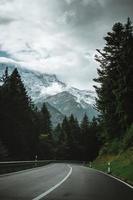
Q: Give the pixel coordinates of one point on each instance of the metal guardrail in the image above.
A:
(13, 166)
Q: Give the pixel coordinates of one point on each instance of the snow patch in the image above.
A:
(54, 89)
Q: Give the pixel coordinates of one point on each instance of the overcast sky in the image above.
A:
(59, 36)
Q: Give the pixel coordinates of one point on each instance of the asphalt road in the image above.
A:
(62, 182)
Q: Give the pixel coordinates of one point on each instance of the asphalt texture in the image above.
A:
(68, 182)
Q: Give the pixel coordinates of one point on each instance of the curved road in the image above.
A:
(62, 182)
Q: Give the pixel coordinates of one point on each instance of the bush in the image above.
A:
(112, 147)
(115, 146)
(128, 139)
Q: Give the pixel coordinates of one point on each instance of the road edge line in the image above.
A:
(114, 178)
(55, 186)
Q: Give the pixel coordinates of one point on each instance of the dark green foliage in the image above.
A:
(85, 131)
(73, 139)
(112, 147)
(46, 143)
(128, 139)
(64, 131)
(57, 132)
(46, 121)
(17, 118)
(62, 148)
(115, 94)
(89, 138)
(46, 149)
(77, 143)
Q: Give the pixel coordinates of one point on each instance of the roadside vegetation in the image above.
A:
(121, 165)
(26, 133)
(115, 101)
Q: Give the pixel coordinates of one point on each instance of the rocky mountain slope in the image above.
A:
(61, 99)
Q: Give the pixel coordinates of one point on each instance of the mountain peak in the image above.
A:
(43, 87)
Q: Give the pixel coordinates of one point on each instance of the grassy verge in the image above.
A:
(121, 165)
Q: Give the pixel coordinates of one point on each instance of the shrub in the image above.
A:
(128, 139)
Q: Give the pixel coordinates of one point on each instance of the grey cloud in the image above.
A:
(93, 19)
(66, 32)
(99, 12)
(84, 13)
(6, 20)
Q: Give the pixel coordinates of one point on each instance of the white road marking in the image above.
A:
(54, 187)
(115, 178)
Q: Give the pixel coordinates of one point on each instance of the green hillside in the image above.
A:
(121, 165)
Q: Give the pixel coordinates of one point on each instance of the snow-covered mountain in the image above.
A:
(60, 97)
(68, 103)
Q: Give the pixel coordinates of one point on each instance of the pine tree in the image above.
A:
(57, 132)
(17, 118)
(5, 75)
(73, 139)
(64, 131)
(84, 127)
(124, 83)
(115, 94)
(47, 126)
(84, 137)
(90, 139)
(46, 144)
(62, 148)
(95, 139)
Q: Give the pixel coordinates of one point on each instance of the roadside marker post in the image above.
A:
(35, 160)
(109, 167)
(35, 157)
(90, 164)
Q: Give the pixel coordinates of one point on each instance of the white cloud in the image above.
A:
(55, 88)
(39, 37)
(54, 36)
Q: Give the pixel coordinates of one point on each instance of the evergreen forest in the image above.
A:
(26, 131)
